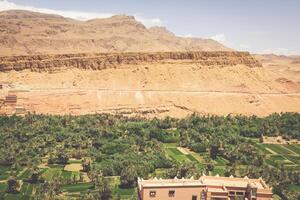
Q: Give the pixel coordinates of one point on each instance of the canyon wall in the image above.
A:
(113, 60)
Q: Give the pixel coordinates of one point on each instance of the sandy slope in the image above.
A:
(287, 66)
(175, 89)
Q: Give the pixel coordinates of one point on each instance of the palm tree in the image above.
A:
(13, 185)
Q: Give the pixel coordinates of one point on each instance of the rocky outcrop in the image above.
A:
(113, 60)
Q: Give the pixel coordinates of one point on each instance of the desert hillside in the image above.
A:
(287, 66)
(24, 32)
(149, 84)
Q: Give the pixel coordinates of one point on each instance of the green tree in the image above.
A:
(13, 185)
(214, 150)
(86, 165)
(104, 190)
(128, 176)
(88, 196)
(35, 177)
(62, 158)
(118, 197)
(51, 188)
(209, 167)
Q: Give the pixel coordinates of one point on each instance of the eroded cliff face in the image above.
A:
(113, 60)
(147, 84)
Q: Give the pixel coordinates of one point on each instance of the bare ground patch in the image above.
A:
(74, 167)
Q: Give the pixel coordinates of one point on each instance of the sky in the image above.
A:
(258, 26)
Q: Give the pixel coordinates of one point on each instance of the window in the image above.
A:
(152, 193)
(194, 197)
(231, 193)
(171, 193)
(203, 195)
(239, 193)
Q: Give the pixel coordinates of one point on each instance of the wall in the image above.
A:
(181, 193)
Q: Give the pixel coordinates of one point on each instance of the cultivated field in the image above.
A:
(72, 187)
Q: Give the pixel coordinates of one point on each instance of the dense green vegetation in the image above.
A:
(114, 150)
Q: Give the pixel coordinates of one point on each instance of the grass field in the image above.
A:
(279, 149)
(72, 161)
(72, 190)
(113, 180)
(218, 170)
(79, 187)
(4, 172)
(287, 155)
(50, 173)
(159, 173)
(276, 160)
(2, 187)
(170, 145)
(293, 147)
(191, 158)
(277, 155)
(27, 189)
(14, 196)
(263, 148)
(124, 191)
(295, 159)
(295, 188)
(176, 155)
(24, 175)
(220, 161)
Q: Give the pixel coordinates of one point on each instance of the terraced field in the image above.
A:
(71, 189)
(287, 155)
(293, 147)
(174, 153)
(179, 154)
(277, 154)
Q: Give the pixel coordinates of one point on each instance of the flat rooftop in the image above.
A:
(205, 181)
(170, 182)
(232, 182)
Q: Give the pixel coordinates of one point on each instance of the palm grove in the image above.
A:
(134, 147)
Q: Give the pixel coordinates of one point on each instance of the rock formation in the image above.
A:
(112, 60)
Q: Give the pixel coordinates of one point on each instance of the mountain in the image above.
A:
(25, 33)
(55, 65)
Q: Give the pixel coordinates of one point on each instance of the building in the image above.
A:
(204, 188)
(10, 99)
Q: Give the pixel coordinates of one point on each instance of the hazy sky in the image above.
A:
(263, 26)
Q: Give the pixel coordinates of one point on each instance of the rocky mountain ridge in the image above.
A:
(114, 60)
